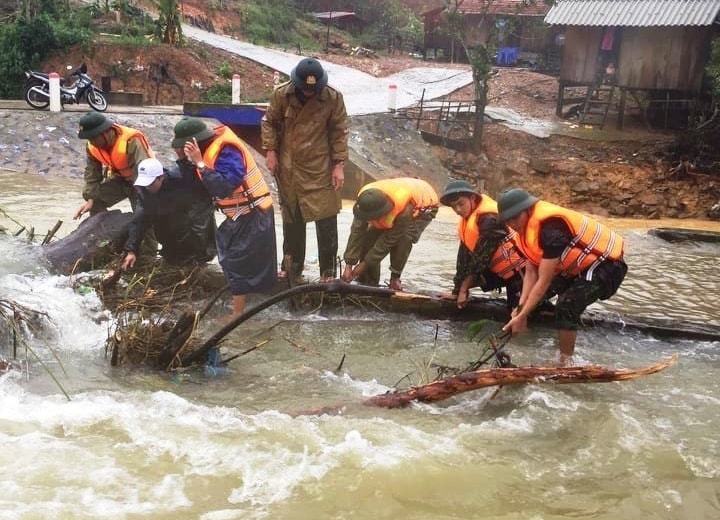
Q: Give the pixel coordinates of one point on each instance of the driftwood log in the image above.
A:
(98, 240)
(94, 243)
(685, 235)
(451, 386)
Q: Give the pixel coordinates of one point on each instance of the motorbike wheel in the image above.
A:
(97, 100)
(35, 100)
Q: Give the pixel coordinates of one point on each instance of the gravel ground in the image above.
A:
(46, 143)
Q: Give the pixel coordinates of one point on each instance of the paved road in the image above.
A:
(19, 104)
(364, 94)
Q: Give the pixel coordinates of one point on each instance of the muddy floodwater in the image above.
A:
(131, 444)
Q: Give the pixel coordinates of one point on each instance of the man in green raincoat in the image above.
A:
(305, 138)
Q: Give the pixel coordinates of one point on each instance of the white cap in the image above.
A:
(148, 171)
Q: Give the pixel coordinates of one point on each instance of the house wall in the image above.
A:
(649, 58)
(580, 54)
(664, 58)
(477, 28)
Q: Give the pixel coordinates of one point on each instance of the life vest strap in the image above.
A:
(233, 212)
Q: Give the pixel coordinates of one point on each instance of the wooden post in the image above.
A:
(560, 98)
(422, 101)
(621, 109)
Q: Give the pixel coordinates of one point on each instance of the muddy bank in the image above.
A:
(628, 177)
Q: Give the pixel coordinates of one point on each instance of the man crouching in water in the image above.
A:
(569, 254)
(487, 257)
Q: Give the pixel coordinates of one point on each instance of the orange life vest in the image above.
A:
(253, 192)
(403, 192)
(592, 242)
(506, 260)
(117, 158)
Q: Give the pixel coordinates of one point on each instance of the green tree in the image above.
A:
(36, 29)
(479, 55)
(713, 68)
(169, 22)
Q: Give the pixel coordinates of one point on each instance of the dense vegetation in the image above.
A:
(35, 29)
(713, 69)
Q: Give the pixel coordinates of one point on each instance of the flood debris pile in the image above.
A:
(155, 317)
(17, 322)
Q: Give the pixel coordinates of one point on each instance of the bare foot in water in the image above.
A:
(226, 319)
(562, 360)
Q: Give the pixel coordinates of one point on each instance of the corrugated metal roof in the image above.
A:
(633, 13)
(507, 7)
(332, 15)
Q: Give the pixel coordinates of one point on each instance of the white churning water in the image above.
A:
(131, 444)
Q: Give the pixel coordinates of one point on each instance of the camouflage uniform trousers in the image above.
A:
(576, 294)
(115, 190)
(400, 252)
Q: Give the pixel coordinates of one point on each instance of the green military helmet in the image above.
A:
(372, 204)
(93, 124)
(189, 128)
(513, 202)
(455, 188)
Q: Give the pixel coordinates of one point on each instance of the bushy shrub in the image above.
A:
(713, 68)
(225, 71)
(23, 45)
(218, 93)
(271, 21)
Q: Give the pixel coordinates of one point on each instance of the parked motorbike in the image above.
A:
(37, 90)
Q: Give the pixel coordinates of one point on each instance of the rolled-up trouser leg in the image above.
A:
(294, 240)
(400, 253)
(574, 300)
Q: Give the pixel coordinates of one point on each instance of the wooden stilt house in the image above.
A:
(651, 53)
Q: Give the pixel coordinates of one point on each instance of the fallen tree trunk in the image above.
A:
(173, 354)
(98, 239)
(438, 308)
(94, 244)
(451, 386)
(685, 235)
